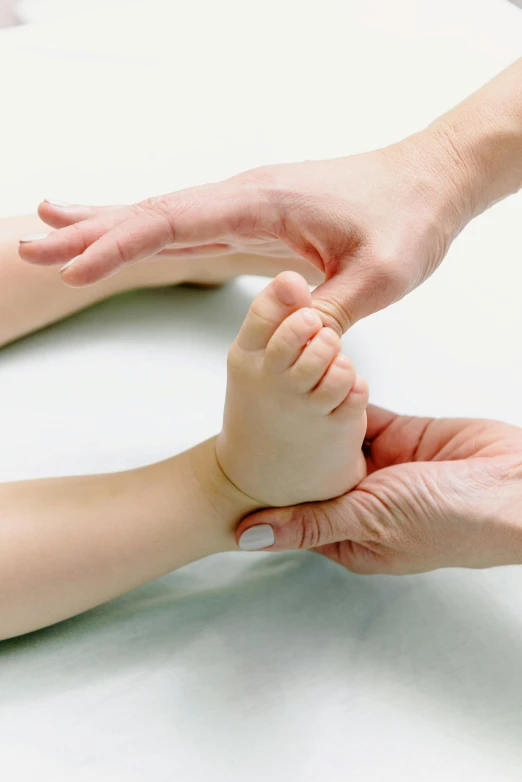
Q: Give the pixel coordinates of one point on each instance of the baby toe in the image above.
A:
(287, 293)
(315, 359)
(335, 385)
(290, 339)
(356, 401)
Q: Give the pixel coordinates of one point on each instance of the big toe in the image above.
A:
(287, 293)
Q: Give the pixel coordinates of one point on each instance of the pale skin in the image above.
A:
(69, 544)
(438, 492)
(33, 297)
(377, 225)
(7, 14)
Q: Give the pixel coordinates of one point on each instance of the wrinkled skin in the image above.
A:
(376, 225)
(439, 493)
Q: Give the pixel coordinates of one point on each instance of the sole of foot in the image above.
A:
(295, 412)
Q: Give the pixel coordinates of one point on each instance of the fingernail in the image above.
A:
(69, 263)
(56, 203)
(309, 316)
(32, 238)
(258, 537)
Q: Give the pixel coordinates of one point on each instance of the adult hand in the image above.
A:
(375, 224)
(439, 493)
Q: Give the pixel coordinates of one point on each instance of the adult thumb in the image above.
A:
(304, 526)
(355, 291)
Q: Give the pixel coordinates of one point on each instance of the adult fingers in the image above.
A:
(70, 241)
(100, 246)
(60, 215)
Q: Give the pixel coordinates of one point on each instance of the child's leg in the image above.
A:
(32, 297)
(69, 544)
(293, 428)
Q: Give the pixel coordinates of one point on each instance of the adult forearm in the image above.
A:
(482, 138)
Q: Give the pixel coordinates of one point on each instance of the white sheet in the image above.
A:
(240, 667)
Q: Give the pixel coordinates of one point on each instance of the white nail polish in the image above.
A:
(69, 263)
(32, 238)
(56, 203)
(256, 538)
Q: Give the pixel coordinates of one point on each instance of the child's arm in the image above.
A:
(69, 544)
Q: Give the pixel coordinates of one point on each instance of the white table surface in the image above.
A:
(254, 667)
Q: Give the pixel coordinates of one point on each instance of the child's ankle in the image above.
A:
(224, 498)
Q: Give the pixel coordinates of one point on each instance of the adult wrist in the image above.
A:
(509, 523)
(476, 157)
(500, 519)
(480, 142)
(443, 182)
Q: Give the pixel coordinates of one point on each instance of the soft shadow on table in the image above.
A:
(213, 315)
(133, 316)
(284, 618)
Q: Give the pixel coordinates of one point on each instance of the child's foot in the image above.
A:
(295, 413)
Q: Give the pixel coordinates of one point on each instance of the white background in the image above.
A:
(256, 667)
